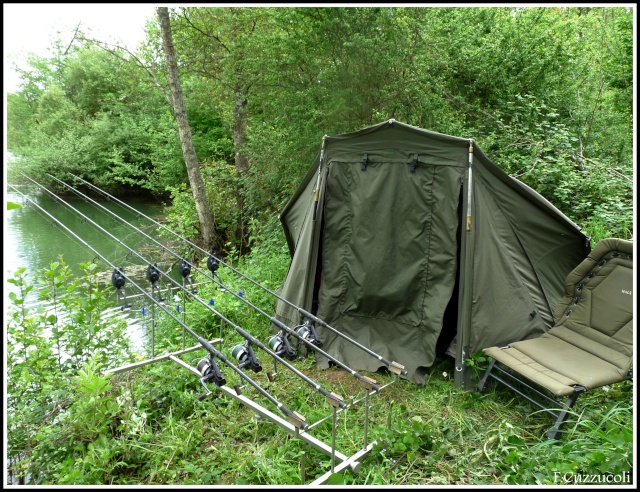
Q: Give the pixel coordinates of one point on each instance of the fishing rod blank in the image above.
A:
(209, 368)
(304, 334)
(391, 365)
(184, 267)
(208, 306)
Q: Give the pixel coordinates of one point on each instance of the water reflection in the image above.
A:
(33, 240)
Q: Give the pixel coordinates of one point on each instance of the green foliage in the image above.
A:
(75, 426)
(477, 364)
(547, 93)
(96, 116)
(398, 441)
(46, 346)
(532, 145)
(181, 213)
(504, 76)
(589, 448)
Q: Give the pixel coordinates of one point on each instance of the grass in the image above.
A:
(438, 434)
(435, 434)
(158, 431)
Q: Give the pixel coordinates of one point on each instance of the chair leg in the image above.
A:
(554, 432)
(485, 378)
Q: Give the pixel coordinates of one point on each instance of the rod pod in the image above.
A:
(294, 418)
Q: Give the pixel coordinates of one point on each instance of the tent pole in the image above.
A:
(312, 260)
(462, 377)
(316, 191)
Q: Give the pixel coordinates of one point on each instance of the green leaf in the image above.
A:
(335, 479)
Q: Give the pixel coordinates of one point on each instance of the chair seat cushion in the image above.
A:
(557, 365)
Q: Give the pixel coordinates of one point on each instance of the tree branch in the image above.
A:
(206, 34)
(610, 170)
(72, 39)
(114, 48)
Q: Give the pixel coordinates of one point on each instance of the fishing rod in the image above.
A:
(304, 333)
(248, 353)
(394, 367)
(208, 368)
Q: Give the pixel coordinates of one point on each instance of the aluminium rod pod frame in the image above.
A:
(353, 462)
(193, 295)
(296, 427)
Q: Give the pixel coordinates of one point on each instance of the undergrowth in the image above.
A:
(72, 424)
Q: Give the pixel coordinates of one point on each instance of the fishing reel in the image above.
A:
(118, 280)
(246, 357)
(279, 344)
(210, 372)
(307, 332)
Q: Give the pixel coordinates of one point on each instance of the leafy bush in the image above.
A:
(46, 346)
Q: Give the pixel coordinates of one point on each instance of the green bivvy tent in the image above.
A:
(408, 241)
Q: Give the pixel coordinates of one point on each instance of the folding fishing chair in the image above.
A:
(590, 345)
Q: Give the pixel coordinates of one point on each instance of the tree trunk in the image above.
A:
(241, 161)
(205, 217)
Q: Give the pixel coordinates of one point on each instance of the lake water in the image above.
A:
(34, 240)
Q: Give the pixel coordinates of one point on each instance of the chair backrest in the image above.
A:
(598, 300)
